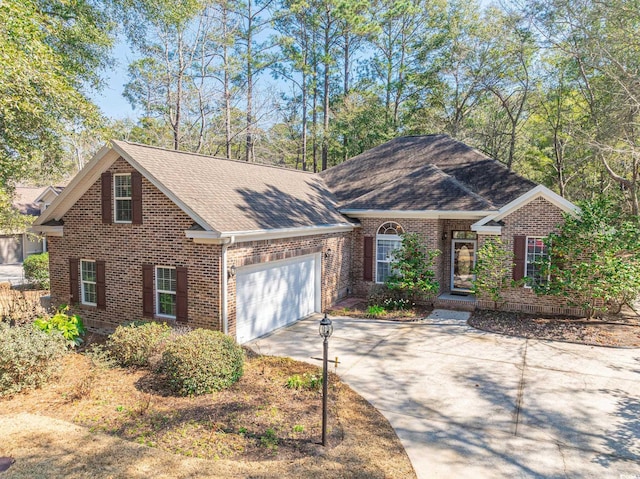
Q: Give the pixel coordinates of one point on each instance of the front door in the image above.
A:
(463, 259)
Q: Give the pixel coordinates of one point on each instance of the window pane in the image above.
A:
(383, 272)
(386, 248)
(89, 271)
(90, 294)
(123, 186)
(536, 253)
(123, 210)
(166, 280)
(167, 304)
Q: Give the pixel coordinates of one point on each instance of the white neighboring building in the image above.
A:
(29, 200)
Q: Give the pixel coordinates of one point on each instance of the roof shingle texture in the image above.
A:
(432, 172)
(237, 196)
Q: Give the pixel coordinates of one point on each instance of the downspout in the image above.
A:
(225, 282)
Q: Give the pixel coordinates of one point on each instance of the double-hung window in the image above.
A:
(166, 291)
(122, 198)
(537, 254)
(388, 240)
(88, 282)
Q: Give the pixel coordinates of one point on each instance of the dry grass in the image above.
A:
(20, 305)
(99, 423)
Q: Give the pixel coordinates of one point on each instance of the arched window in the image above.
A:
(387, 241)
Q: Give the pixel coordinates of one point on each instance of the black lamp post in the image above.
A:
(326, 329)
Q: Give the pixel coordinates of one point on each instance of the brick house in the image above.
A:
(144, 232)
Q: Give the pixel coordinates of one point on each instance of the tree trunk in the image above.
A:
(249, 65)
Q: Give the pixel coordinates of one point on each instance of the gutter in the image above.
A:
(224, 284)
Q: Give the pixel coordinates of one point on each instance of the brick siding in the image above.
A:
(160, 240)
(536, 218)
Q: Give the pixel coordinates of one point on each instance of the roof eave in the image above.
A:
(211, 237)
(487, 230)
(420, 214)
(49, 230)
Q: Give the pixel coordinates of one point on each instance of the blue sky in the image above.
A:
(110, 99)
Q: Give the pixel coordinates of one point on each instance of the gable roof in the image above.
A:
(26, 198)
(220, 195)
(428, 173)
(492, 224)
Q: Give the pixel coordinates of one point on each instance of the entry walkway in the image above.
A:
(466, 403)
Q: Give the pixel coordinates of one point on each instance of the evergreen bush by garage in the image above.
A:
(133, 344)
(201, 362)
(36, 270)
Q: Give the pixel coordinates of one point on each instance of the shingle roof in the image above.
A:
(238, 196)
(432, 172)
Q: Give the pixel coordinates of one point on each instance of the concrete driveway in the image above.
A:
(468, 404)
(12, 273)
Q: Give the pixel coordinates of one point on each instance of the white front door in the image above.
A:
(274, 294)
(463, 259)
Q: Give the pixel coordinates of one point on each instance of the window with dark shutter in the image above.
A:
(74, 284)
(101, 288)
(182, 303)
(147, 290)
(136, 197)
(368, 258)
(106, 197)
(519, 256)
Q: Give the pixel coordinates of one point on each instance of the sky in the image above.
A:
(110, 99)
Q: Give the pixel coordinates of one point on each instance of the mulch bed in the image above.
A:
(259, 420)
(357, 308)
(621, 330)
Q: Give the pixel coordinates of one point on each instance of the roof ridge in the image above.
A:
(220, 158)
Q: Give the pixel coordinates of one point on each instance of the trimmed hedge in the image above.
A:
(28, 357)
(202, 361)
(133, 344)
(36, 270)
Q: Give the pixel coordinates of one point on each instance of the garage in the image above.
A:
(274, 294)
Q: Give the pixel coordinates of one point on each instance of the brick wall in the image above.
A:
(160, 240)
(430, 229)
(537, 218)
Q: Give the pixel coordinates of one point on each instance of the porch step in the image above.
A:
(455, 302)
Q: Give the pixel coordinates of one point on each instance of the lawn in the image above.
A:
(111, 422)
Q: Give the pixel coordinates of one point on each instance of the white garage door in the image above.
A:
(274, 294)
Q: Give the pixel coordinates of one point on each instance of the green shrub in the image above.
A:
(397, 304)
(374, 311)
(36, 270)
(28, 357)
(133, 344)
(201, 362)
(70, 326)
(413, 269)
(307, 381)
(379, 293)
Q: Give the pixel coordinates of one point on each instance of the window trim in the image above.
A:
(82, 283)
(528, 284)
(386, 226)
(158, 291)
(120, 198)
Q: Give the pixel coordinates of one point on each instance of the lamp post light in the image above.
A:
(326, 329)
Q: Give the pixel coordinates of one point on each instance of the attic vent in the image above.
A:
(391, 228)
